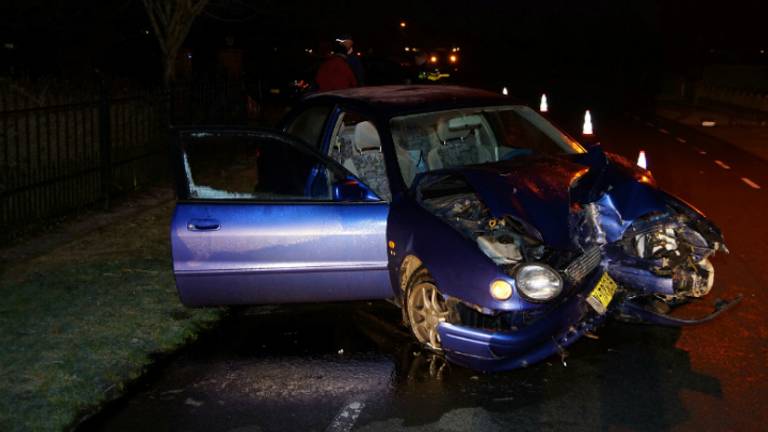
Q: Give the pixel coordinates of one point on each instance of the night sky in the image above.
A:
(539, 43)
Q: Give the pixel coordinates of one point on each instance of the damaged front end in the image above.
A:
(658, 251)
(660, 260)
(547, 310)
(598, 242)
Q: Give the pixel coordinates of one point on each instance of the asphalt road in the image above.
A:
(350, 366)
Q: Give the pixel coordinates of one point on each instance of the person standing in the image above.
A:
(354, 62)
(335, 73)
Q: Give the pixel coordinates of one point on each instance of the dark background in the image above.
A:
(617, 52)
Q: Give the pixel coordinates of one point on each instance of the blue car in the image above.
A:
(502, 239)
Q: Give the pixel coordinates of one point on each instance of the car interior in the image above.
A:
(357, 146)
(443, 140)
(242, 168)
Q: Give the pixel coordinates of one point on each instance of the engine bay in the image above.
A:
(659, 257)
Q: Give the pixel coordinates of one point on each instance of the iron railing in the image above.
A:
(59, 157)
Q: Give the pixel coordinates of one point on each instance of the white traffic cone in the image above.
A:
(587, 129)
(641, 160)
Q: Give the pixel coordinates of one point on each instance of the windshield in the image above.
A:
(468, 136)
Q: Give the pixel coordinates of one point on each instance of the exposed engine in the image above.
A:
(674, 251)
(660, 255)
(504, 240)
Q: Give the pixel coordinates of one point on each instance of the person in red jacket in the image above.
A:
(335, 73)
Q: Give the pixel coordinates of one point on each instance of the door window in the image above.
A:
(356, 144)
(243, 166)
(308, 126)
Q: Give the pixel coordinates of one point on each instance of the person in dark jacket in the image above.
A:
(335, 73)
(354, 62)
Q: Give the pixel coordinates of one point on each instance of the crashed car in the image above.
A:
(503, 239)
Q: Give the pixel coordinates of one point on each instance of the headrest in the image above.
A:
(457, 127)
(414, 137)
(366, 137)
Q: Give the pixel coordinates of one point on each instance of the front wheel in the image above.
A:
(426, 309)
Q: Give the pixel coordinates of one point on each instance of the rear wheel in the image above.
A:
(426, 309)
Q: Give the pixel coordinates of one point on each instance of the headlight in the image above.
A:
(538, 282)
(501, 290)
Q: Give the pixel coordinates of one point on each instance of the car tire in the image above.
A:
(425, 308)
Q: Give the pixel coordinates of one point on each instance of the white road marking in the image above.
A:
(750, 183)
(722, 164)
(346, 418)
(682, 140)
(664, 131)
(649, 124)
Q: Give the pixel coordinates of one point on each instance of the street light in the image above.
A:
(402, 24)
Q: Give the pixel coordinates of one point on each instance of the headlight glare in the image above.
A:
(538, 282)
(501, 290)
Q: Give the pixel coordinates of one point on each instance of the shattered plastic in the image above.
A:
(659, 257)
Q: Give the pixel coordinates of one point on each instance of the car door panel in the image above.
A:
(256, 251)
(274, 253)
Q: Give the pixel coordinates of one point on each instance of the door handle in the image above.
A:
(203, 225)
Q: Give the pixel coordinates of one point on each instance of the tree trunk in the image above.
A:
(171, 20)
(169, 69)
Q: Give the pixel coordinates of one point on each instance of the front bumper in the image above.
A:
(500, 350)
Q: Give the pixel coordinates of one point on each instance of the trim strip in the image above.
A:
(372, 266)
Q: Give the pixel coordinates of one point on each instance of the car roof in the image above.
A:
(395, 99)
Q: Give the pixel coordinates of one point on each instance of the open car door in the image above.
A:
(262, 218)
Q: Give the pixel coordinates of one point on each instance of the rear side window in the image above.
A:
(221, 166)
(308, 126)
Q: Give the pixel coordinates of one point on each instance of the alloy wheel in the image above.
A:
(426, 310)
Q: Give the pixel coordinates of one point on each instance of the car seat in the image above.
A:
(460, 143)
(412, 145)
(366, 160)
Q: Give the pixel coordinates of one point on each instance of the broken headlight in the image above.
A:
(538, 282)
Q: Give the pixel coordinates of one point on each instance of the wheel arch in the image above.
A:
(408, 267)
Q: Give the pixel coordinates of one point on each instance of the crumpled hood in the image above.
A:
(540, 190)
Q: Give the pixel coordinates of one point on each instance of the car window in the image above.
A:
(469, 136)
(308, 126)
(242, 167)
(356, 144)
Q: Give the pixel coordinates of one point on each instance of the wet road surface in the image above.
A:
(352, 366)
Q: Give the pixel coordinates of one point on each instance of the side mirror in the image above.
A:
(350, 189)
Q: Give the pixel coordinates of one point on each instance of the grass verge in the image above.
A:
(81, 321)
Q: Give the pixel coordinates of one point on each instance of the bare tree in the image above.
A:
(171, 20)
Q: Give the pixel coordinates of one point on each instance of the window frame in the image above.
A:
(182, 184)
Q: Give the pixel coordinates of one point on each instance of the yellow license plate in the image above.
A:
(602, 294)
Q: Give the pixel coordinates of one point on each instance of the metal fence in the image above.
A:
(61, 156)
